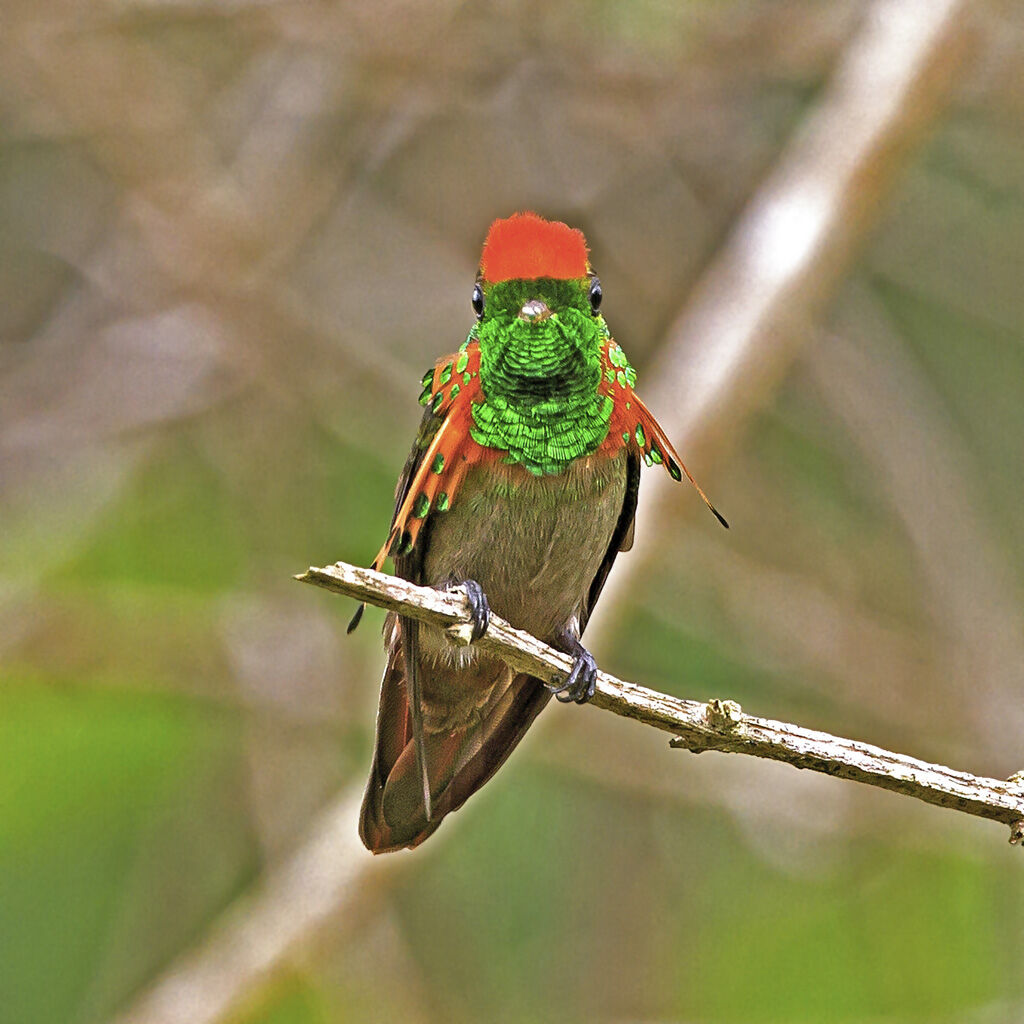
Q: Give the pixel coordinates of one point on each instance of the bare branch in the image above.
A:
(717, 725)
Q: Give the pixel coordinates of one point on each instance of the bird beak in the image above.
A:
(534, 311)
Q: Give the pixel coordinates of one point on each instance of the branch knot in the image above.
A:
(723, 715)
(468, 629)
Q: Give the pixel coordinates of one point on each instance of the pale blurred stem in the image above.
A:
(756, 304)
(716, 725)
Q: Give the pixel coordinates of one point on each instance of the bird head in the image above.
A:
(538, 305)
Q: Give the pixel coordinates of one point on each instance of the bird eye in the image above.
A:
(478, 300)
(595, 294)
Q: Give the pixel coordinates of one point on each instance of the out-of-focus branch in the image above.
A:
(716, 725)
(266, 928)
(755, 306)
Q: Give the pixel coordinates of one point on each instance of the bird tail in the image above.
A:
(458, 761)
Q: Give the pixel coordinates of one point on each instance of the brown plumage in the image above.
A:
(540, 547)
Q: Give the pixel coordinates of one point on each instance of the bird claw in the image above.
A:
(582, 680)
(479, 609)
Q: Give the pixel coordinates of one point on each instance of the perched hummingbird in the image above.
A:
(521, 487)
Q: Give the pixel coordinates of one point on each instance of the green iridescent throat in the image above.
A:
(540, 380)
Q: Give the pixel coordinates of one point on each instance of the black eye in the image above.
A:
(478, 300)
(595, 294)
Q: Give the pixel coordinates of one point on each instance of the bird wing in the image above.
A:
(399, 718)
(622, 537)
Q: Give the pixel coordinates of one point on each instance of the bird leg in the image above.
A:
(582, 679)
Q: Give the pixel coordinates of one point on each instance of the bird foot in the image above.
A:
(463, 633)
(582, 680)
(479, 609)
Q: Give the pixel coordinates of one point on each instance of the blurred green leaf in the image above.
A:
(85, 777)
(175, 525)
(290, 1000)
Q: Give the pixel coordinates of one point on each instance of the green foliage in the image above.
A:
(88, 780)
(292, 1000)
(908, 936)
(175, 526)
(976, 366)
(619, 902)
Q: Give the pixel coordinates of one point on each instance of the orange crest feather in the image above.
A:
(526, 245)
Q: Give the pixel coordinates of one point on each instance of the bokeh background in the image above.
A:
(233, 234)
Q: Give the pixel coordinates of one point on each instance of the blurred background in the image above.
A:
(233, 234)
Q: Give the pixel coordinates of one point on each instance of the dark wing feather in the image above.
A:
(409, 567)
(622, 537)
(399, 718)
(412, 562)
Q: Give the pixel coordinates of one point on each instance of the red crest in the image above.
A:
(526, 245)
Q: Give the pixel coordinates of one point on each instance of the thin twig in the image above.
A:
(716, 725)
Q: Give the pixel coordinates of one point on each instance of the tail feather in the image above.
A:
(458, 761)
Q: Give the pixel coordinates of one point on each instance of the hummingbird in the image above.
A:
(521, 488)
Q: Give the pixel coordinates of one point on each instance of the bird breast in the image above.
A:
(534, 543)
